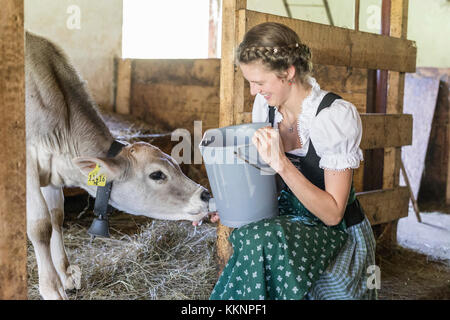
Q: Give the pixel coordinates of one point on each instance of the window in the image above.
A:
(169, 29)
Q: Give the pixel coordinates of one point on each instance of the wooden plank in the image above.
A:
(123, 87)
(399, 18)
(358, 178)
(383, 206)
(165, 102)
(13, 243)
(379, 130)
(200, 72)
(349, 83)
(346, 47)
(175, 92)
(386, 130)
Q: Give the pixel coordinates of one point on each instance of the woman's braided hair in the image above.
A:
(278, 47)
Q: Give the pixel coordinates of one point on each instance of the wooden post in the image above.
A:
(396, 84)
(396, 80)
(123, 90)
(411, 193)
(214, 20)
(13, 245)
(231, 90)
(357, 9)
(358, 175)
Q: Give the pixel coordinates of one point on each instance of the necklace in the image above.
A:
(290, 127)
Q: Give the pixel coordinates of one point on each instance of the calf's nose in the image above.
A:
(205, 196)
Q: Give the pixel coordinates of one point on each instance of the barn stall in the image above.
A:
(150, 259)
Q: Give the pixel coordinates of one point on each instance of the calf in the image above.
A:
(66, 139)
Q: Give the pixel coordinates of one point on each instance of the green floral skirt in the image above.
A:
(279, 258)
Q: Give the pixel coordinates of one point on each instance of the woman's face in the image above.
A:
(265, 82)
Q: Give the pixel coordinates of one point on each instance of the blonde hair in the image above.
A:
(277, 47)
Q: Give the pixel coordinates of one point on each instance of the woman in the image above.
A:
(321, 244)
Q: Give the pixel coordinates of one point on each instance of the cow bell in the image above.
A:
(100, 227)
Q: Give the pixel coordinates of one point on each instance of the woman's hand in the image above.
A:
(269, 145)
(213, 217)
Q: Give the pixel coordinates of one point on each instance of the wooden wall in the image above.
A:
(13, 250)
(176, 93)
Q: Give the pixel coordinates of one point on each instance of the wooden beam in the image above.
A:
(123, 86)
(228, 69)
(386, 130)
(231, 91)
(288, 10)
(13, 243)
(328, 11)
(200, 72)
(357, 8)
(383, 206)
(396, 80)
(349, 83)
(346, 47)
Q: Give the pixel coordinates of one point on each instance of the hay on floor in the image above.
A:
(164, 260)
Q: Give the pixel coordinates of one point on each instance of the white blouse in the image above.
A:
(335, 132)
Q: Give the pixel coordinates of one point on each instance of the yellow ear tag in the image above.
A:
(94, 179)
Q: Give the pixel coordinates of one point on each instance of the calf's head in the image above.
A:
(148, 182)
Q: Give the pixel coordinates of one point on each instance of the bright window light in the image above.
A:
(169, 29)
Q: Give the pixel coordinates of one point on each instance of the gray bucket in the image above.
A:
(243, 186)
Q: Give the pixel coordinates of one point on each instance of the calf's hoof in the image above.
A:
(54, 291)
(73, 278)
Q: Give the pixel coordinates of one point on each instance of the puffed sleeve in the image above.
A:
(260, 111)
(336, 134)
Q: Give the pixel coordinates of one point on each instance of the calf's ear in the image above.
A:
(110, 167)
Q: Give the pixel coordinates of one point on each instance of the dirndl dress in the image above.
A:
(296, 256)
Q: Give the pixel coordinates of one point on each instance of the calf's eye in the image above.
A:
(157, 175)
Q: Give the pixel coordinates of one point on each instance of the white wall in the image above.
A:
(90, 33)
(429, 26)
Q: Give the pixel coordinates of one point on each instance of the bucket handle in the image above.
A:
(238, 155)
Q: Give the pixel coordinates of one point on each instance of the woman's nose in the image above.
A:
(254, 89)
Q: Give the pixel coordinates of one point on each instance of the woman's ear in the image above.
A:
(290, 73)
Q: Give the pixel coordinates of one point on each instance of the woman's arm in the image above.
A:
(329, 205)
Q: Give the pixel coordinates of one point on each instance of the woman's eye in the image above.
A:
(157, 175)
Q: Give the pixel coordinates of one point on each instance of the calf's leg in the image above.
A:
(70, 275)
(39, 230)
